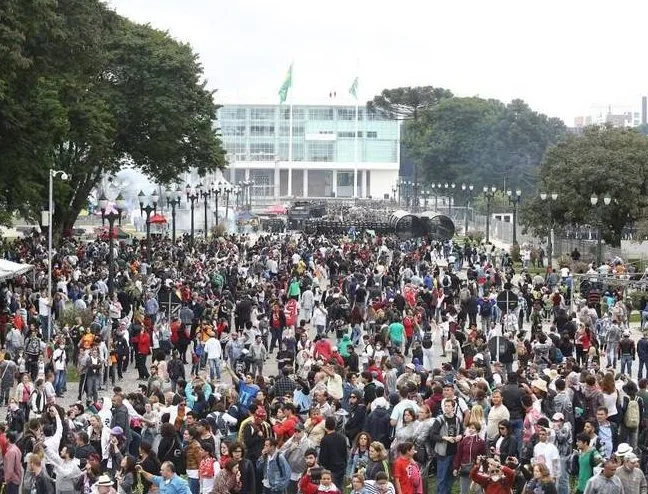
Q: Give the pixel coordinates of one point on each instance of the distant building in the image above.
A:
(622, 119)
(325, 153)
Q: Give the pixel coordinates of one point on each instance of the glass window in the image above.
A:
(298, 114)
(235, 150)
(233, 130)
(348, 134)
(298, 130)
(262, 130)
(262, 151)
(262, 114)
(372, 134)
(375, 115)
(298, 151)
(232, 113)
(346, 113)
(321, 151)
(320, 114)
(345, 179)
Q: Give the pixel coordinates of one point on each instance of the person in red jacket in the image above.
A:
(142, 344)
(285, 427)
(326, 485)
(497, 479)
(322, 348)
(469, 448)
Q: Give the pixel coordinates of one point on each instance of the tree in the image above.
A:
(404, 103)
(108, 93)
(603, 161)
(483, 142)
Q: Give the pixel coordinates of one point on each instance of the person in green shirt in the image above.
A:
(396, 333)
(294, 290)
(588, 458)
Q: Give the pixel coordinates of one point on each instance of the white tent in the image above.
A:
(10, 269)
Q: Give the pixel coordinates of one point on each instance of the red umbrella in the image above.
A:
(157, 219)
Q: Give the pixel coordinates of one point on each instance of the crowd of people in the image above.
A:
(293, 363)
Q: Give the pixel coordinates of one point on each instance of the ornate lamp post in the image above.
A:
(228, 191)
(514, 198)
(216, 190)
(173, 201)
(151, 207)
(192, 197)
(553, 197)
(237, 195)
(50, 219)
(599, 246)
(205, 195)
(449, 190)
(111, 217)
(468, 188)
(489, 194)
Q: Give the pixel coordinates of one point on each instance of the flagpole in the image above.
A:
(355, 154)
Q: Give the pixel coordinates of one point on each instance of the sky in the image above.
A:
(564, 58)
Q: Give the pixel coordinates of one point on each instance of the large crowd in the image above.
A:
(292, 363)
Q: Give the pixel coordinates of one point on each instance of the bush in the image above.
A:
(70, 314)
(579, 267)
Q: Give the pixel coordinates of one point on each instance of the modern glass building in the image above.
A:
(326, 158)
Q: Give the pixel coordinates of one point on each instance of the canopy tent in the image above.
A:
(277, 209)
(157, 219)
(10, 269)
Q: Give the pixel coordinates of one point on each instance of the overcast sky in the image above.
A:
(564, 58)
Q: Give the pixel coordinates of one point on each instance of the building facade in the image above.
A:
(326, 159)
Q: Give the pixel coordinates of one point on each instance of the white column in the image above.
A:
(277, 181)
(305, 193)
(247, 174)
(289, 181)
(334, 184)
(364, 184)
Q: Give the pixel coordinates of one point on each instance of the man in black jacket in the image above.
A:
(512, 398)
(333, 452)
(356, 417)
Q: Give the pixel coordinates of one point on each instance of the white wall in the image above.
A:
(381, 182)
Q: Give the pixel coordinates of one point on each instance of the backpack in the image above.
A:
(557, 356)
(218, 424)
(631, 416)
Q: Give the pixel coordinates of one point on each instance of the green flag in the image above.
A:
(283, 90)
(353, 90)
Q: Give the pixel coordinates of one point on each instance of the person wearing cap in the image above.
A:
(626, 353)
(563, 441)
(631, 476)
(294, 450)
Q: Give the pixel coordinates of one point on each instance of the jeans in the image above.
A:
(626, 361)
(642, 363)
(60, 381)
(464, 484)
(275, 338)
(12, 488)
(194, 485)
(140, 360)
(444, 476)
(644, 318)
(214, 368)
(257, 368)
(5, 392)
(92, 387)
(321, 329)
(563, 480)
(516, 429)
(611, 353)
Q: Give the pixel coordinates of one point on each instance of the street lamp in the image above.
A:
(449, 189)
(112, 216)
(237, 195)
(489, 193)
(415, 202)
(50, 216)
(173, 201)
(394, 193)
(599, 246)
(205, 194)
(151, 207)
(192, 197)
(470, 188)
(228, 191)
(550, 242)
(515, 200)
(436, 196)
(216, 190)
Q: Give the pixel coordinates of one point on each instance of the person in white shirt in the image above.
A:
(214, 353)
(396, 417)
(547, 453)
(59, 358)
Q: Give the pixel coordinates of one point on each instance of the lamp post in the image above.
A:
(399, 185)
(426, 195)
(151, 207)
(489, 193)
(415, 201)
(449, 192)
(111, 217)
(394, 193)
(216, 190)
(228, 191)
(553, 197)
(468, 188)
(599, 246)
(173, 201)
(192, 197)
(514, 198)
(50, 216)
(237, 195)
(205, 194)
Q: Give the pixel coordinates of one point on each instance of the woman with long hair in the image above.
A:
(407, 433)
(99, 436)
(469, 448)
(541, 482)
(359, 454)
(228, 480)
(377, 461)
(610, 397)
(149, 462)
(477, 419)
(126, 475)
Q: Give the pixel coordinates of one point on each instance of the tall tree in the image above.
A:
(484, 142)
(603, 161)
(109, 93)
(405, 103)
